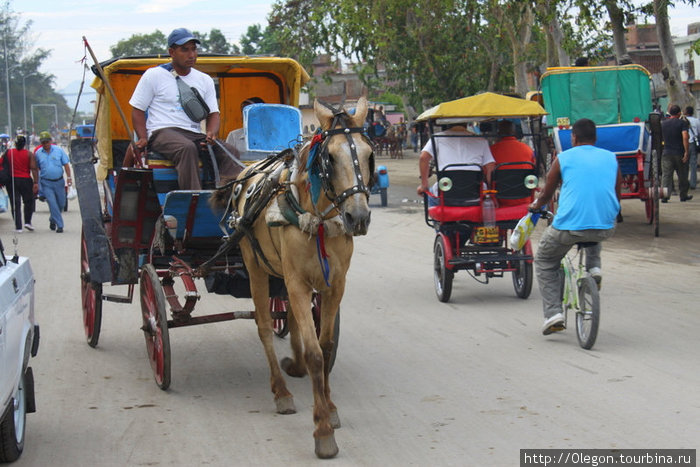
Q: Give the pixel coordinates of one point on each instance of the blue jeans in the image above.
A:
(693, 164)
(55, 193)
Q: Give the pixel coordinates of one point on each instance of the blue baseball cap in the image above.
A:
(181, 36)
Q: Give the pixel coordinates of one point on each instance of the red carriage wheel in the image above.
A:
(278, 307)
(91, 294)
(155, 325)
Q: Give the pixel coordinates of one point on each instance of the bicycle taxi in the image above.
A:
(618, 99)
(473, 220)
(138, 228)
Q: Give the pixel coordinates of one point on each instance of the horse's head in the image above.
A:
(345, 164)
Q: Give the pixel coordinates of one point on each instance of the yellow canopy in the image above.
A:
(487, 105)
(276, 80)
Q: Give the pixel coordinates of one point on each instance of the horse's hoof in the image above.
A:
(326, 447)
(334, 419)
(285, 405)
(291, 368)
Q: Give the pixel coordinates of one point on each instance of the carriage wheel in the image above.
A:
(522, 276)
(279, 325)
(91, 294)
(655, 190)
(155, 325)
(442, 276)
(588, 316)
(316, 313)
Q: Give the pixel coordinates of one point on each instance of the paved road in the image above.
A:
(417, 382)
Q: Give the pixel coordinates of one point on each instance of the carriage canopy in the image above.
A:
(605, 94)
(484, 106)
(273, 79)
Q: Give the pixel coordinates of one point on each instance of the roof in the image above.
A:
(484, 106)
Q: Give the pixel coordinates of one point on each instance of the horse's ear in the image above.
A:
(358, 119)
(323, 114)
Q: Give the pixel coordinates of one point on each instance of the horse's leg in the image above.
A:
(300, 298)
(294, 366)
(259, 287)
(329, 310)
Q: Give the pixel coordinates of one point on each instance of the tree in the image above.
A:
(141, 44)
(258, 41)
(677, 93)
(25, 80)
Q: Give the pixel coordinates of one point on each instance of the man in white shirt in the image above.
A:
(167, 129)
(693, 145)
(455, 146)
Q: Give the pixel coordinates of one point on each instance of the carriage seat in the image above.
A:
(164, 174)
(193, 213)
(267, 129)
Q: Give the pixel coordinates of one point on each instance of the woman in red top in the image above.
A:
(23, 184)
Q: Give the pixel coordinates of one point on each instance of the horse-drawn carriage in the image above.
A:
(618, 100)
(472, 220)
(281, 233)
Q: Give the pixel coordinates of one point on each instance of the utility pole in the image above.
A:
(7, 82)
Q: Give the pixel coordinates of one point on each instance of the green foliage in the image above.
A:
(141, 44)
(258, 41)
(25, 79)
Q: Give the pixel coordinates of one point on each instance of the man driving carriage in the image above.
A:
(167, 128)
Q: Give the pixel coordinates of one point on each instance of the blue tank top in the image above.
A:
(587, 199)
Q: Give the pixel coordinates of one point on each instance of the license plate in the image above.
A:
(486, 235)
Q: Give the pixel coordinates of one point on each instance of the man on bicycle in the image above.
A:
(589, 202)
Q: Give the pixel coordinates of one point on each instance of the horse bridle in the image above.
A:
(325, 165)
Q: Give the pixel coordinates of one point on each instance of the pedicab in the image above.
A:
(139, 229)
(473, 220)
(618, 99)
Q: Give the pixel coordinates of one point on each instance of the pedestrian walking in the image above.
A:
(21, 186)
(675, 154)
(52, 161)
(693, 145)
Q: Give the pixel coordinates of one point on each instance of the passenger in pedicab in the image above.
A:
(455, 145)
(168, 128)
(509, 149)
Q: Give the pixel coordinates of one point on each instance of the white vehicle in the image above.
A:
(19, 339)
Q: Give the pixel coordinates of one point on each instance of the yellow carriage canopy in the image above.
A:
(484, 106)
(275, 80)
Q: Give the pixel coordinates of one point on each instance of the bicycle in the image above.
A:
(580, 294)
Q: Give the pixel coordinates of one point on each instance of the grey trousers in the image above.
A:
(553, 246)
(670, 164)
(182, 147)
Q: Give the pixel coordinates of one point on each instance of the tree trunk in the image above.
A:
(617, 20)
(558, 38)
(520, 34)
(677, 93)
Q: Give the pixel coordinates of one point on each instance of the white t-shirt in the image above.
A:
(694, 129)
(157, 94)
(460, 149)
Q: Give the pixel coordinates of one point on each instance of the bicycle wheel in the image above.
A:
(588, 314)
(442, 276)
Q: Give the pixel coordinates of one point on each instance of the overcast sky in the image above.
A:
(59, 25)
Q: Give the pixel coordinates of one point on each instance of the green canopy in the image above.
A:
(604, 94)
(487, 105)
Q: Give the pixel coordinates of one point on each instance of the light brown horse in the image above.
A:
(286, 242)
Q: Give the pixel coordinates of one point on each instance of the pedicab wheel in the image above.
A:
(155, 325)
(316, 313)
(442, 276)
(91, 294)
(279, 325)
(522, 276)
(588, 316)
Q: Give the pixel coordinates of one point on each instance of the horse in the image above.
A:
(304, 235)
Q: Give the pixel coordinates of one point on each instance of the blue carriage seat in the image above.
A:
(193, 213)
(271, 128)
(626, 140)
(164, 174)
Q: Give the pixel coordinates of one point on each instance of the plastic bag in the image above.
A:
(522, 231)
(72, 194)
(4, 201)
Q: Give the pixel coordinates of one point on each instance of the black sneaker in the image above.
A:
(52, 225)
(59, 230)
(687, 198)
